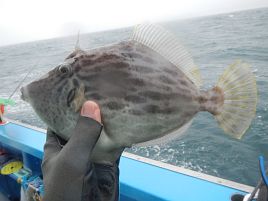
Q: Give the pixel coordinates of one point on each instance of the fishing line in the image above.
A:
(31, 69)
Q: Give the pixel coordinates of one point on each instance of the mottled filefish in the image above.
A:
(148, 89)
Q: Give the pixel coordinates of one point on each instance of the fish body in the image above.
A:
(139, 92)
(144, 93)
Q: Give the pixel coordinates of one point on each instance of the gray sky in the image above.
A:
(29, 20)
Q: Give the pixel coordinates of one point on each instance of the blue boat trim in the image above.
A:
(191, 173)
(140, 178)
(263, 172)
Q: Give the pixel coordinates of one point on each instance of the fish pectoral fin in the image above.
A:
(79, 99)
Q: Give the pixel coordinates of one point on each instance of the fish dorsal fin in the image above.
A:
(167, 45)
(167, 138)
(77, 44)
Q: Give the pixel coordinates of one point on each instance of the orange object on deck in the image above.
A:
(2, 110)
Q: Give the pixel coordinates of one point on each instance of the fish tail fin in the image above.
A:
(239, 88)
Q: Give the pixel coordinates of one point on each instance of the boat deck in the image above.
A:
(140, 178)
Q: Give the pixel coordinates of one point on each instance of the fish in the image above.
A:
(148, 89)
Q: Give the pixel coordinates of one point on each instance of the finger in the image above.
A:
(52, 145)
(88, 127)
(83, 140)
(108, 180)
(92, 110)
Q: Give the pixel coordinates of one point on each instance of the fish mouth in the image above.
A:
(24, 93)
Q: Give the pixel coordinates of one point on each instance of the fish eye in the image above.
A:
(64, 69)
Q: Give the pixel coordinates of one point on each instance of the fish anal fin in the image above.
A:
(167, 138)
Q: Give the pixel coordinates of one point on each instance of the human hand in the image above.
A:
(68, 173)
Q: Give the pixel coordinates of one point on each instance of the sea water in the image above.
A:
(215, 42)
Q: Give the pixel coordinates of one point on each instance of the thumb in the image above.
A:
(86, 132)
(91, 109)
